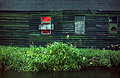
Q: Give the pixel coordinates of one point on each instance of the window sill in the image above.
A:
(80, 34)
(34, 34)
(38, 34)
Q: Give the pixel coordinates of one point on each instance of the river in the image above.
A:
(79, 74)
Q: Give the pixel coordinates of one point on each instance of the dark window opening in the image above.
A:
(113, 29)
(113, 19)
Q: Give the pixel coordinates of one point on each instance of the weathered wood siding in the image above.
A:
(21, 29)
(35, 35)
(14, 29)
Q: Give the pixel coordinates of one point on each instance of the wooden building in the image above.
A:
(84, 23)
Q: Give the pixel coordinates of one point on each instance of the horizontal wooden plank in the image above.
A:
(14, 14)
(102, 18)
(14, 20)
(15, 25)
(21, 29)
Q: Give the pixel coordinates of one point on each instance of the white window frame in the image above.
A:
(48, 27)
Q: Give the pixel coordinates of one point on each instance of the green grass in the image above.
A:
(55, 57)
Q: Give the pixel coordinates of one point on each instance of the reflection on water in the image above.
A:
(80, 74)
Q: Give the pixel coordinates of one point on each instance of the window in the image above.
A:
(113, 28)
(46, 20)
(46, 25)
(79, 25)
(113, 24)
(113, 19)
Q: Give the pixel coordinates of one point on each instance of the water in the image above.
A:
(80, 74)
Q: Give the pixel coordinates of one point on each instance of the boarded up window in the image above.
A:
(79, 25)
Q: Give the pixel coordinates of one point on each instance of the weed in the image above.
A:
(55, 57)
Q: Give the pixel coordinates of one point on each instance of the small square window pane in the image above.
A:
(45, 26)
(79, 18)
(45, 19)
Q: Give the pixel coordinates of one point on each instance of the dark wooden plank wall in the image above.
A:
(35, 35)
(21, 29)
(14, 29)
